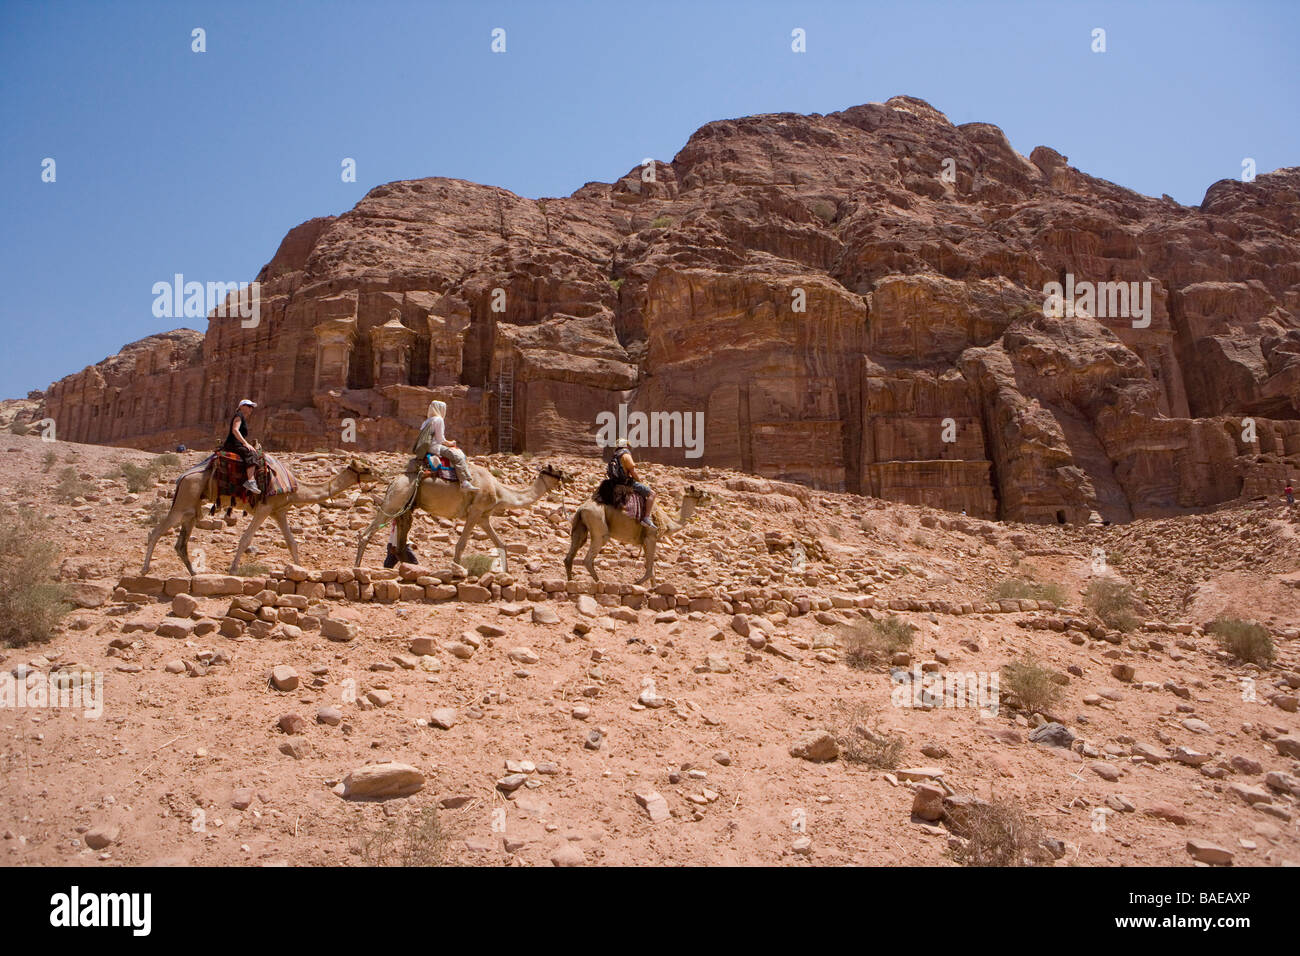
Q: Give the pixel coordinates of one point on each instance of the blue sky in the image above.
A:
(173, 161)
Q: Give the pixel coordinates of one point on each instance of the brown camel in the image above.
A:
(602, 522)
(196, 490)
(445, 499)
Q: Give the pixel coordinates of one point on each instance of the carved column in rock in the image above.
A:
(446, 348)
(334, 341)
(390, 351)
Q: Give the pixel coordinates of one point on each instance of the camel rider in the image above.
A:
(622, 469)
(237, 442)
(434, 441)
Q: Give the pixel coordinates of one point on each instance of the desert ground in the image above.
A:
(725, 716)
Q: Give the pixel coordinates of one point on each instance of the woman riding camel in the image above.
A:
(237, 442)
(433, 441)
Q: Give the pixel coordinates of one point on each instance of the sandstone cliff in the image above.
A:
(854, 301)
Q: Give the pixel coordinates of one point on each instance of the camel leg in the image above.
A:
(247, 538)
(598, 538)
(403, 523)
(501, 547)
(577, 538)
(471, 521)
(648, 546)
(282, 520)
(183, 541)
(366, 536)
(170, 520)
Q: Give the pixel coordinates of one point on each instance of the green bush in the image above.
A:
(661, 222)
(477, 565)
(31, 602)
(1244, 640)
(1113, 602)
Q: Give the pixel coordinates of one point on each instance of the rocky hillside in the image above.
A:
(852, 301)
(770, 700)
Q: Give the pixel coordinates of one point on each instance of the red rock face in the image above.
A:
(853, 301)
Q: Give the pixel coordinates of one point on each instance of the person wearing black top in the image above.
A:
(237, 441)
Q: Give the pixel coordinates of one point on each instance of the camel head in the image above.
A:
(365, 474)
(554, 476)
(698, 496)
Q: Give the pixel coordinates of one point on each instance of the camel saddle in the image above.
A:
(623, 497)
(229, 472)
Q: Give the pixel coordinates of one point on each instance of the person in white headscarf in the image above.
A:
(433, 441)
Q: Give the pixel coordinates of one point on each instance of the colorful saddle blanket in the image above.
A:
(621, 496)
(273, 476)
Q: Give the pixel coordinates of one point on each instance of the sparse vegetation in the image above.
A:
(661, 222)
(154, 512)
(142, 477)
(862, 742)
(1244, 640)
(874, 642)
(1112, 601)
(1035, 687)
(616, 283)
(19, 428)
(137, 477)
(476, 565)
(251, 569)
(998, 833)
(48, 460)
(415, 842)
(31, 602)
(1014, 589)
(824, 210)
(70, 486)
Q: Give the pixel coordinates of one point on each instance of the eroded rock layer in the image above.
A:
(852, 301)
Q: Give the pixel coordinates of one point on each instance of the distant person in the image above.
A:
(180, 448)
(1290, 493)
(237, 442)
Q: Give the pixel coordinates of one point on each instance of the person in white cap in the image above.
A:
(237, 441)
(433, 441)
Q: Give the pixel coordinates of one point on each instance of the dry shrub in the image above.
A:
(477, 565)
(874, 642)
(999, 833)
(31, 602)
(71, 486)
(417, 841)
(863, 742)
(1114, 602)
(1244, 640)
(1036, 687)
(1013, 589)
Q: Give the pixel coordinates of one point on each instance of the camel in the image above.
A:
(602, 522)
(445, 499)
(193, 491)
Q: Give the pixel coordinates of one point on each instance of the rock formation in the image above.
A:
(854, 301)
